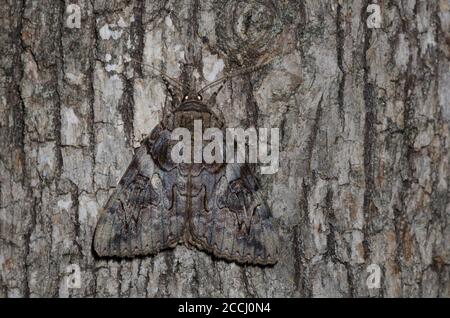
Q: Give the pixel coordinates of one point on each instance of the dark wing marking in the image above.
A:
(231, 220)
(140, 217)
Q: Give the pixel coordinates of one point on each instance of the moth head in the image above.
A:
(196, 97)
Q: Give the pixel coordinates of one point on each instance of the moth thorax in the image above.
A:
(188, 119)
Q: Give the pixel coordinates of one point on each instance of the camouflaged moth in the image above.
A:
(215, 207)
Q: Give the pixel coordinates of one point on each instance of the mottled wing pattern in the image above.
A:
(140, 217)
(230, 219)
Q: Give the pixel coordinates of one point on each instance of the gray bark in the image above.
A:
(364, 117)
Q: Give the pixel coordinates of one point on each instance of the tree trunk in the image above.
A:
(363, 112)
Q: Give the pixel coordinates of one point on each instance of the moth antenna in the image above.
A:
(174, 81)
(234, 74)
(173, 96)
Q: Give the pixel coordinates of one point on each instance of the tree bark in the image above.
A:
(364, 118)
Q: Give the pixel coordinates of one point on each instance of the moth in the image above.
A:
(214, 207)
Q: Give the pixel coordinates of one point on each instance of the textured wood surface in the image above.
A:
(364, 117)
